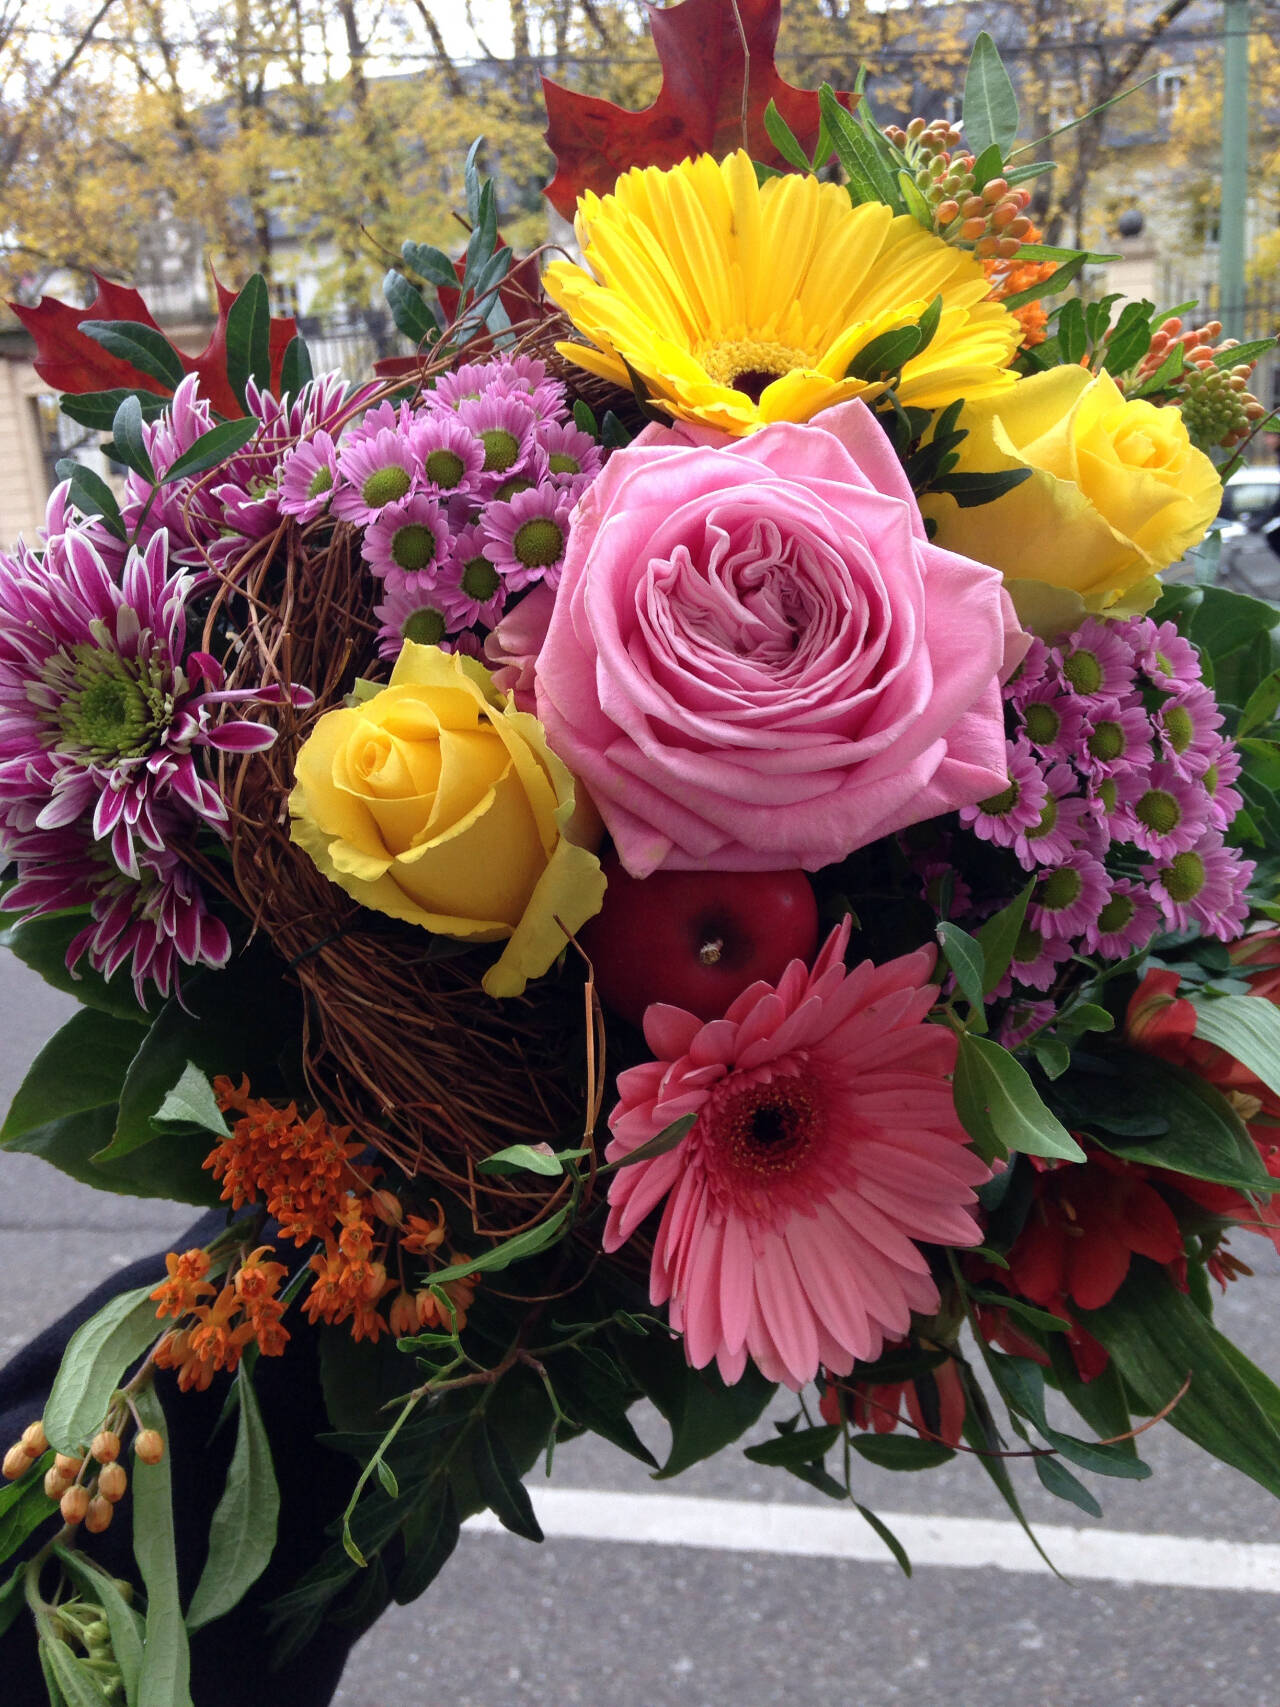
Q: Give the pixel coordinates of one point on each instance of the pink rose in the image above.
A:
(511, 650)
(757, 660)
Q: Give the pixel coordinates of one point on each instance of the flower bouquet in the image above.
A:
(671, 844)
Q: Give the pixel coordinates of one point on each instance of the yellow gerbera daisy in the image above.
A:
(738, 304)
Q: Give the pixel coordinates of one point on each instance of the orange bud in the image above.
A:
(946, 211)
(106, 1446)
(994, 191)
(55, 1483)
(112, 1482)
(68, 1467)
(35, 1439)
(97, 1515)
(973, 229)
(17, 1461)
(74, 1505)
(387, 1207)
(149, 1445)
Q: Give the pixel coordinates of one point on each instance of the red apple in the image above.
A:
(696, 938)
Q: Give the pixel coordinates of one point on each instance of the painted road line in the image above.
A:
(968, 1543)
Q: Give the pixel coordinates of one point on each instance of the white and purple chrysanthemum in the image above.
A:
(409, 539)
(1125, 923)
(1204, 885)
(528, 536)
(103, 707)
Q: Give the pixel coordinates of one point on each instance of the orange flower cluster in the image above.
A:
(216, 1332)
(1008, 278)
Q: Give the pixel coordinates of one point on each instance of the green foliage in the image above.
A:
(164, 1680)
(702, 1413)
(91, 495)
(24, 1506)
(1001, 1109)
(143, 347)
(127, 443)
(990, 109)
(98, 1355)
(42, 945)
(249, 340)
(242, 1532)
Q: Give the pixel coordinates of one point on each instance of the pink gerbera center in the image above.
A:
(762, 1133)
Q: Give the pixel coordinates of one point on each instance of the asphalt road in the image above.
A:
(727, 1623)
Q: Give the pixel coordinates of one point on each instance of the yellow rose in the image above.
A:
(1117, 491)
(437, 802)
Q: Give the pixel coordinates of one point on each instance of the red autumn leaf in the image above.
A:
(520, 294)
(70, 361)
(699, 107)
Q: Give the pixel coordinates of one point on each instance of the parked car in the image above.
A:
(1249, 526)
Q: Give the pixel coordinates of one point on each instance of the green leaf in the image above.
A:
(42, 945)
(900, 1451)
(97, 1356)
(211, 448)
(1158, 1337)
(1000, 1108)
(81, 1067)
(658, 1145)
(885, 354)
(1247, 1029)
(1021, 1309)
(126, 1626)
(191, 1102)
(597, 1398)
(295, 369)
(1021, 1382)
(166, 1662)
(143, 347)
(78, 1685)
(887, 1536)
(804, 1446)
(249, 339)
(869, 178)
(969, 490)
(24, 1506)
(525, 1244)
(13, 1599)
(97, 409)
(1261, 706)
(989, 164)
(1101, 1402)
(1223, 621)
(242, 1533)
(1055, 1476)
(1072, 336)
(964, 955)
(430, 1537)
(1149, 1111)
(998, 937)
(990, 109)
(527, 1158)
(430, 264)
(702, 1413)
(981, 1434)
(500, 1483)
(91, 495)
(784, 139)
(1047, 252)
(1250, 351)
(127, 443)
(411, 314)
(1130, 337)
(1056, 281)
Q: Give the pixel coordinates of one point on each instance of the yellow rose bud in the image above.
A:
(1117, 492)
(437, 802)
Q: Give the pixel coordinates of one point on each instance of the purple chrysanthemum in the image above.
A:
(1126, 922)
(1095, 659)
(409, 538)
(1190, 729)
(103, 707)
(449, 457)
(528, 536)
(1035, 961)
(372, 473)
(1005, 816)
(1204, 885)
(1038, 664)
(1022, 1020)
(470, 586)
(308, 475)
(1117, 737)
(1169, 660)
(1052, 720)
(1067, 821)
(573, 457)
(1224, 800)
(1068, 897)
(504, 428)
(410, 611)
(1165, 816)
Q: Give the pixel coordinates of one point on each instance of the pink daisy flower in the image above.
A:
(1067, 821)
(527, 537)
(1018, 808)
(1190, 727)
(1052, 720)
(1068, 898)
(470, 587)
(504, 428)
(1023, 1020)
(826, 1148)
(309, 473)
(410, 611)
(1168, 816)
(1039, 664)
(1035, 962)
(573, 457)
(1126, 922)
(450, 457)
(408, 538)
(1204, 885)
(1117, 737)
(1095, 659)
(464, 384)
(1163, 654)
(1224, 800)
(373, 472)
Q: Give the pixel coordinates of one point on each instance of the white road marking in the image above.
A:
(969, 1543)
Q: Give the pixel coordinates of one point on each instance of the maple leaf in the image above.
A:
(698, 109)
(70, 361)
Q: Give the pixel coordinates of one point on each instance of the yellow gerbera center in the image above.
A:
(738, 303)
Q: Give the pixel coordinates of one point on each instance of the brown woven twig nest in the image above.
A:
(400, 1041)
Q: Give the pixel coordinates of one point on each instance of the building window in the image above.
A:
(1169, 87)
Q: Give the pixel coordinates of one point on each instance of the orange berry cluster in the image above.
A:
(1217, 405)
(218, 1329)
(992, 221)
(87, 1486)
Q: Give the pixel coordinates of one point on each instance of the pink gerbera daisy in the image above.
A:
(826, 1148)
